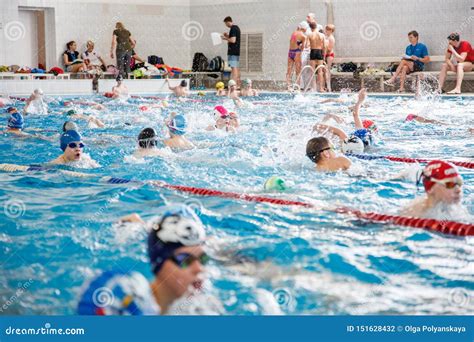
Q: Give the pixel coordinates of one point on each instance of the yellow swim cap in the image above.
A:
(220, 85)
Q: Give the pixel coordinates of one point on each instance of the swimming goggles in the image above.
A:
(184, 260)
(74, 145)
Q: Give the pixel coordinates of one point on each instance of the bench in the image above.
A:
(388, 60)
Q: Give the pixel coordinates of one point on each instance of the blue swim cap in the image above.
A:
(118, 293)
(179, 226)
(178, 125)
(15, 121)
(364, 135)
(68, 137)
(10, 109)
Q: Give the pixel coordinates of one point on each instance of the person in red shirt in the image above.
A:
(459, 58)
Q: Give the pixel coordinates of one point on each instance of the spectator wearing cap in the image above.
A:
(459, 58)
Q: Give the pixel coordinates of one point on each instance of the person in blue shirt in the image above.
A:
(416, 55)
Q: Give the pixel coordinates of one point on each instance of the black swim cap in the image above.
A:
(184, 83)
(147, 138)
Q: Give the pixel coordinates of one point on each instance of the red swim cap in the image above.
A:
(370, 125)
(410, 117)
(108, 94)
(439, 170)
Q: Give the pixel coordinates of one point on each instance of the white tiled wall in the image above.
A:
(158, 26)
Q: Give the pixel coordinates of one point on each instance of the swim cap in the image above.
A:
(108, 94)
(38, 91)
(119, 78)
(69, 126)
(11, 109)
(246, 82)
(274, 183)
(165, 103)
(220, 85)
(179, 226)
(370, 125)
(15, 121)
(201, 93)
(439, 170)
(231, 83)
(220, 112)
(303, 25)
(410, 117)
(147, 138)
(71, 112)
(69, 137)
(177, 125)
(143, 108)
(183, 83)
(352, 145)
(364, 135)
(118, 293)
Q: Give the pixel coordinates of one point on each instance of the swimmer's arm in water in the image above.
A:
(431, 121)
(335, 117)
(132, 218)
(357, 121)
(322, 128)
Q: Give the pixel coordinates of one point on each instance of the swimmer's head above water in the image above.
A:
(72, 145)
(15, 121)
(220, 85)
(177, 125)
(175, 248)
(231, 84)
(318, 148)
(70, 126)
(220, 112)
(442, 182)
(183, 83)
(147, 138)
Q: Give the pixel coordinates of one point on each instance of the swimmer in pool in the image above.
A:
(72, 146)
(220, 89)
(15, 122)
(225, 120)
(361, 138)
(443, 187)
(247, 89)
(177, 129)
(148, 143)
(177, 259)
(233, 93)
(321, 152)
(36, 96)
(120, 90)
(180, 90)
(90, 119)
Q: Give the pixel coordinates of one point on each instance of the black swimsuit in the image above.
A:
(316, 54)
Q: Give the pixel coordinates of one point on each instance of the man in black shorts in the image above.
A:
(317, 41)
(233, 50)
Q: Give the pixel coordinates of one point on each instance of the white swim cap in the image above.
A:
(352, 145)
(38, 91)
(303, 25)
(231, 83)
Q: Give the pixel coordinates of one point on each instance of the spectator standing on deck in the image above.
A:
(122, 43)
(233, 50)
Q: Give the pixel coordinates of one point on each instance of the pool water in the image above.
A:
(57, 230)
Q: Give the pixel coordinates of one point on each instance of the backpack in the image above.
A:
(216, 64)
(200, 62)
(348, 67)
(154, 60)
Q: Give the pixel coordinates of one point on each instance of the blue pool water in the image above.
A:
(57, 230)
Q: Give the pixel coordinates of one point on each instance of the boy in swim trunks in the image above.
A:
(330, 43)
(443, 187)
(317, 44)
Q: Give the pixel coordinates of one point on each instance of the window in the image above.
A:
(251, 52)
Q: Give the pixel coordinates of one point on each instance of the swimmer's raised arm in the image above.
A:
(335, 117)
(132, 218)
(357, 121)
(322, 128)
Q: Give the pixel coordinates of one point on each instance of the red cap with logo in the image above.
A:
(370, 125)
(440, 171)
